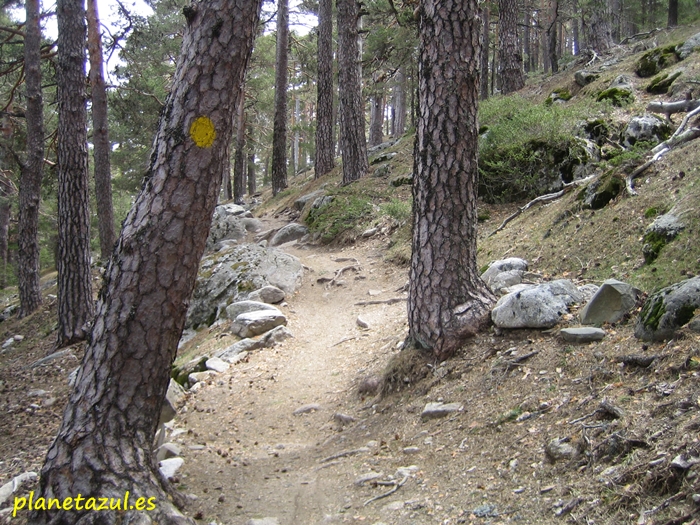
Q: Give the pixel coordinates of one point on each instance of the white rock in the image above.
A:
(14, 484)
(169, 467)
(255, 323)
(167, 451)
(361, 322)
(217, 365)
(267, 294)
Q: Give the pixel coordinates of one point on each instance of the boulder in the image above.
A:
(583, 77)
(647, 128)
(217, 365)
(610, 303)
(504, 273)
(226, 223)
(267, 294)
(169, 467)
(15, 484)
(242, 307)
(255, 323)
(687, 47)
(584, 334)
(198, 377)
(230, 353)
(541, 306)
(437, 410)
(167, 451)
(181, 373)
(667, 310)
(302, 201)
(660, 232)
(230, 275)
(290, 232)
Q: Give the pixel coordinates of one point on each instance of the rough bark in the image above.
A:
(7, 189)
(238, 168)
(510, 60)
(32, 170)
(353, 143)
(484, 66)
(552, 35)
(103, 447)
(447, 300)
(75, 302)
(324, 161)
(100, 135)
(279, 133)
(672, 13)
(376, 121)
(597, 31)
(252, 185)
(399, 122)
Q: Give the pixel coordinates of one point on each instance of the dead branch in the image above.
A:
(640, 35)
(397, 486)
(339, 272)
(393, 300)
(542, 198)
(669, 108)
(345, 454)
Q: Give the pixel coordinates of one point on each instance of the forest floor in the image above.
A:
(248, 455)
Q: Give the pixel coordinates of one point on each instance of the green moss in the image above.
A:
(651, 212)
(653, 243)
(558, 94)
(660, 84)
(652, 312)
(343, 214)
(655, 60)
(616, 96)
(483, 215)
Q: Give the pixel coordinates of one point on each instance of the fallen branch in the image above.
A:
(669, 108)
(639, 35)
(397, 486)
(542, 198)
(345, 454)
(393, 300)
(338, 273)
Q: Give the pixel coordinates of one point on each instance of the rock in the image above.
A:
(380, 147)
(181, 373)
(217, 365)
(652, 62)
(320, 202)
(8, 343)
(436, 410)
(667, 310)
(343, 419)
(169, 467)
(610, 303)
(230, 275)
(226, 224)
(588, 291)
(255, 323)
(167, 451)
(305, 409)
(263, 521)
(198, 377)
(601, 191)
(560, 449)
(647, 128)
(174, 398)
(290, 232)
(243, 307)
(15, 484)
(267, 294)
(684, 461)
(582, 335)
(276, 335)
(302, 201)
(411, 450)
(687, 47)
(663, 230)
(583, 77)
(72, 377)
(369, 233)
(693, 325)
(252, 224)
(361, 322)
(245, 345)
(541, 306)
(383, 157)
(402, 180)
(504, 273)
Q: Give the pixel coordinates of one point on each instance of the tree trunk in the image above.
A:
(510, 60)
(103, 447)
(100, 135)
(447, 300)
(596, 26)
(324, 161)
(575, 47)
(279, 134)
(552, 34)
(484, 66)
(251, 171)
(226, 183)
(32, 170)
(353, 143)
(672, 13)
(7, 189)
(238, 168)
(376, 121)
(75, 303)
(399, 104)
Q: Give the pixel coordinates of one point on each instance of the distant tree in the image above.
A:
(552, 27)
(484, 65)
(399, 116)
(252, 184)
(510, 60)
(597, 30)
(279, 137)
(7, 191)
(239, 153)
(324, 161)
(447, 300)
(32, 169)
(672, 13)
(376, 121)
(353, 143)
(100, 134)
(104, 445)
(75, 302)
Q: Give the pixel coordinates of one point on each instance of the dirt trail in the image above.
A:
(247, 455)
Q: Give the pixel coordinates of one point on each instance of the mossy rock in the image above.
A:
(653, 244)
(558, 95)
(600, 192)
(181, 373)
(655, 60)
(660, 84)
(667, 310)
(597, 130)
(617, 96)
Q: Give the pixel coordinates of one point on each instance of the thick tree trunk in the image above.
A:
(596, 26)
(238, 164)
(32, 170)
(484, 65)
(376, 121)
(447, 300)
(324, 161)
(672, 13)
(226, 183)
(7, 189)
(100, 135)
(353, 143)
(552, 34)
(510, 60)
(251, 172)
(399, 127)
(279, 133)
(103, 447)
(75, 302)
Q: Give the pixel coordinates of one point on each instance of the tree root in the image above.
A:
(382, 301)
(396, 486)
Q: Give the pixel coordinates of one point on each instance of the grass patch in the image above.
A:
(343, 215)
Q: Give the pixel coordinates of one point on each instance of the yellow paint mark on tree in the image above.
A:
(202, 132)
